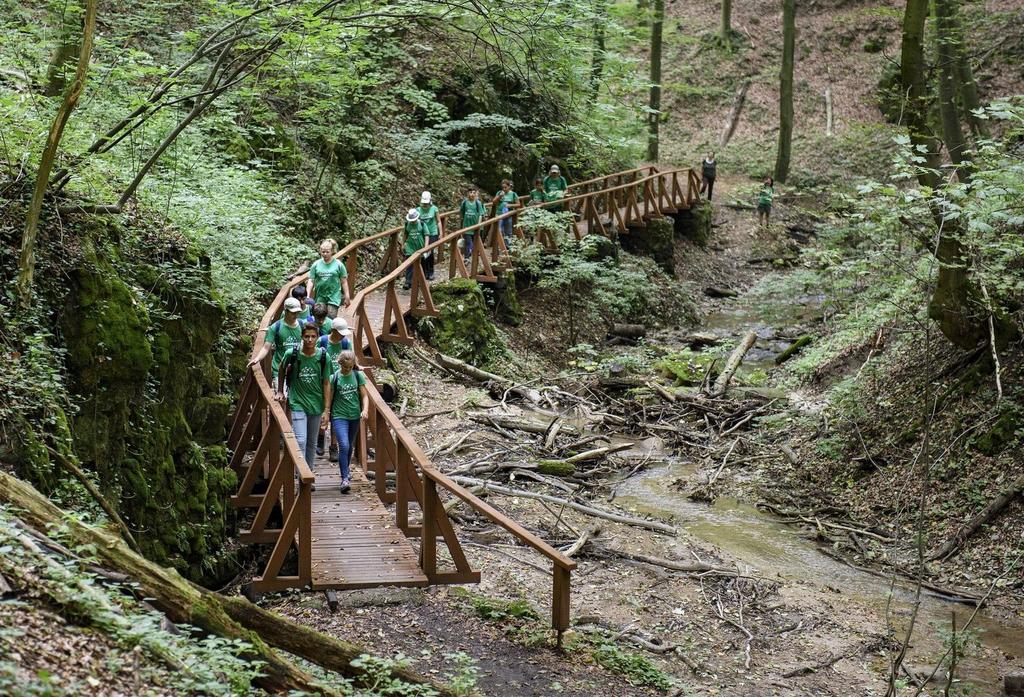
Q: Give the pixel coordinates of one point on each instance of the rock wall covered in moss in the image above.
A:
(464, 329)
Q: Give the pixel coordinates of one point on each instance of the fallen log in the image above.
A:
(588, 510)
(567, 467)
(457, 366)
(617, 383)
(628, 331)
(665, 394)
(734, 114)
(701, 339)
(512, 423)
(186, 603)
(690, 567)
(993, 509)
(792, 349)
(717, 292)
(387, 384)
(575, 547)
(735, 359)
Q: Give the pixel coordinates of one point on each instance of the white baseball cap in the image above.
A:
(340, 325)
(413, 215)
(554, 169)
(425, 197)
(292, 305)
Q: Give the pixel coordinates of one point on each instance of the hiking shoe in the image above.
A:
(345, 485)
(333, 453)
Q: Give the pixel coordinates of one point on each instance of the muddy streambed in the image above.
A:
(773, 549)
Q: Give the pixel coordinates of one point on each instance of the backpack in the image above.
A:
(346, 343)
(293, 358)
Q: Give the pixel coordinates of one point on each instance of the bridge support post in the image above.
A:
(560, 601)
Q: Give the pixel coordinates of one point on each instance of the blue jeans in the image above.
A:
(467, 246)
(306, 427)
(345, 433)
(505, 225)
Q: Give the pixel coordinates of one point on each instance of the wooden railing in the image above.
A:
(626, 198)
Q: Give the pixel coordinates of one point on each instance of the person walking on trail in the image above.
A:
(555, 186)
(764, 201)
(472, 211)
(328, 279)
(708, 172)
(318, 316)
(415, 240)
(505, 200)
(338, 340)
(538, 195)
(282, 335)
(430, 217)
(348, 404)
(306, 372)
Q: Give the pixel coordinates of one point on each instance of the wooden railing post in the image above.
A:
(428, 538)
(560, 600)
(305, 541)
(352, 266)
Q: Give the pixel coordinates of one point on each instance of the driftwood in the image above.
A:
(583, 539)
(993, 509)
(588, 510)
(186, 603)
(387, 384)
(735, 359)
(701, 339)
(792, 349)
(734, 114)
(620, 383)
(717, 292)
(512, 423)
(689, 567)
(665, 394)
(567, 466)
(457, 366)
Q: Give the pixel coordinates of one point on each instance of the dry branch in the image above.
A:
(735, 359)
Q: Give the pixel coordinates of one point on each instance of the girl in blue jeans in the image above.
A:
(347, 404)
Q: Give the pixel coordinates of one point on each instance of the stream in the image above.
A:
(759, 541)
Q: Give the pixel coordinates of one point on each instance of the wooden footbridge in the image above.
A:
(325, 540)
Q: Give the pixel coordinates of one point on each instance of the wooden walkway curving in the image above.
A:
(327, 540)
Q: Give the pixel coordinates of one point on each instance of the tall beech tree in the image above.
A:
(726, 32)
(786, 90)
(947, 39)
(654, 112)
(951, 305)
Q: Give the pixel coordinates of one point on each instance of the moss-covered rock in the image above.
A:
(505, 298)
(655, 240)
(464, 328)
(695, 223)
(1006, 430)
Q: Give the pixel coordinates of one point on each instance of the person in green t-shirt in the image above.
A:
(318, 316)
(764, 201)
(339, 339)
(472, 211)
(415, 240)
(306, 372)
(555, 186)
(306, 313)
(538, 195)
(431, 219)
(327, 282)
(348, 405)
(504, 201)
(284, 334)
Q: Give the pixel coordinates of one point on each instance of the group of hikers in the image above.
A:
(313, 369)
(423, 225)
(708, 173)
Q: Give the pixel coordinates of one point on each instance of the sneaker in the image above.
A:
(333, 453)
(345, 485)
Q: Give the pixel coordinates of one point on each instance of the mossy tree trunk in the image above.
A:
(950, 305)
(27, 258)
(949, 111)
(726, 36)
(964, 73)
(786, 90)
(597, 57)
(654, 113)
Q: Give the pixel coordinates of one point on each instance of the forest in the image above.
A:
(465, 348)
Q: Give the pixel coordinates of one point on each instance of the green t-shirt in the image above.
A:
(765, 197)
(283, 338)
(345, 402)
(306, 392)
(538, 196)
(507, 200)
(327, 281)
(414, 237)
(555, 184)
(334, 349)
(428, 216)
(472, 212)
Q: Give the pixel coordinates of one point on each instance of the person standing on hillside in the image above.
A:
(555, 186)
(430, 218)
(708, 172)
(328, 279)
(506, 200)
(306, 372)
(338, 340)
(764, 201)
(472, 211)
(348, 405)
(282, 335)
(415, 240)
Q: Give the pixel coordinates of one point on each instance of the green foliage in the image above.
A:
(686, 367)
(637, 669)
(378, 681)
(499, 610)
(464, 328)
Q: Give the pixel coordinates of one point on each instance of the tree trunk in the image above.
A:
(186, 603)
(56, 80)
(950, 304)
(726, 37)
(949, 112)
(597, 57)
(27, 259)
(786, 90)
(735, 359)
(654, 113)
(734, 113)
(964, 72)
